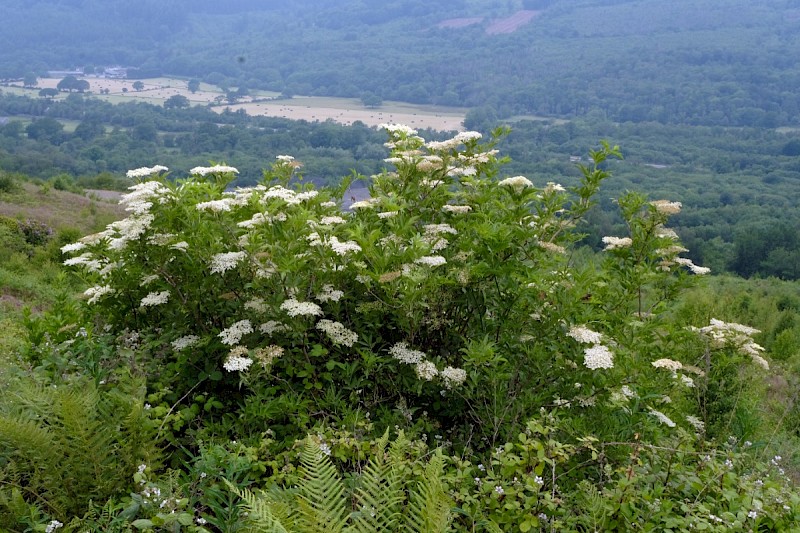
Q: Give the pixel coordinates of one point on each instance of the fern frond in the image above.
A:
(260, 511)
(322, 502)
(429, 511)
(379, 495)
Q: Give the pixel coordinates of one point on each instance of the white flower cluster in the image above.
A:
(126, 230)
(233, 335)
(696, 423)
(669, 364)
(343, 248)
(74, 247)
(598, 356)
(271, 327)
(226, 261)
(216, 169)
(431, 260)
(453, 376)
(661, 417)
(284, 158)
(404, 354)
(737, 335)
(331, 220)
(337, 332)
(185, 342)
(369, 203)
(614, 243)
(329, 294)
(398, 129)
(457, 209)
(697, 270)
(426, 370)
(517, 183)
(237, 363)
(665, 207)
(97, 292)
(288, 195)
(584, 335)
(86, 260)
(144, 172)
(155, 298)
(52, 526)
(216, 206)
(296, 308)
(268, 354)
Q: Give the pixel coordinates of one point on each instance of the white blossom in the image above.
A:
(669, 364)
(517, 183)
(216, 169)
(226, 261)
(664, 419)
(144, 172)
(329, 294)
(185, 342)
(431, 260)
(74, 247)
(343, 248)
(457, 209)
(155, 298)
(598, 356)
(584, 335)
(337, 332)
(614, 243)
(237, 363)
(666, 207)
(426, 370)
(404, 354)
(234, 334)
(97, 292)
(296, 308)
(453, 376)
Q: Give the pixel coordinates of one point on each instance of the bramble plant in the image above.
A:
(450, 302)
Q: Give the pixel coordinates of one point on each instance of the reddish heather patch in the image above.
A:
(459, 23)
(512, 23)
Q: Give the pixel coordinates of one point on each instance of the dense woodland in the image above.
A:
(712, 62)
(738, 185)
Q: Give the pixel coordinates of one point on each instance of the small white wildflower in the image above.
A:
(226, 261)
(324, 448)
(284, 158)
(234, 334)
(97, 292)
(294, 308)
(752, 514)
(155, 298)
(200, 521)
(216, 206)
(614, 243)
(426, 370)
(598, 356)
(538, 480)
(52, 526)
(331, 220)
(343, 248)
(517, 183)
(404, 354)
(184, 342)
(144, 172)
(237, 363)
(584, 335)
(431, 260)
(457, 209)
(669, 364)
(453, 376)
(337, 332)
(216, 169)
(329, 294)
(666, 207)
(499, 490)
(664, 419)
(74, 247)
(698, 424)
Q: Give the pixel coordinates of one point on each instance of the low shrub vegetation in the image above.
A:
(440, 356)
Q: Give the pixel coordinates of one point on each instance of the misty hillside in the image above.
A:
(714, 62)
